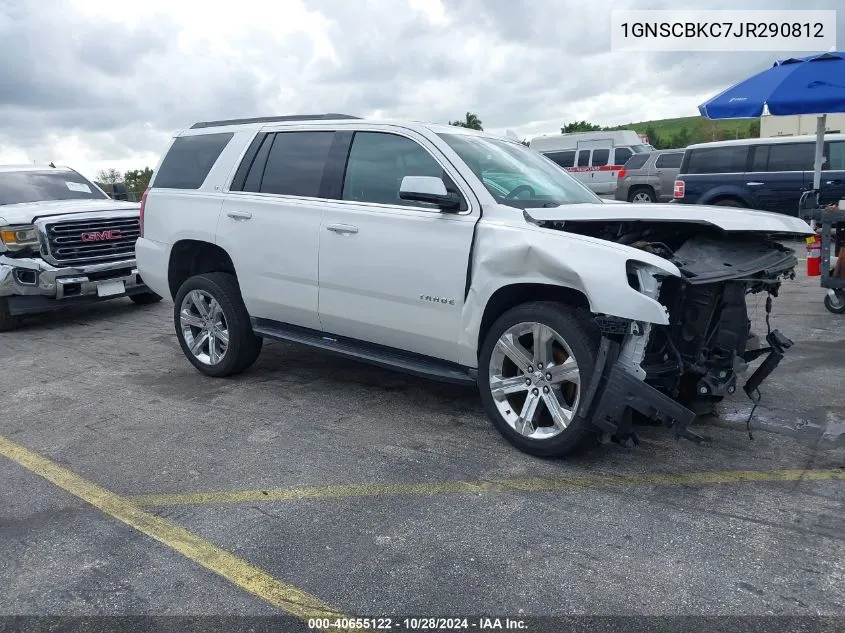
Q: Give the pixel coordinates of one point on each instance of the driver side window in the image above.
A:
(377, 164)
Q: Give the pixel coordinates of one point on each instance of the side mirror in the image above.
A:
(429, 189)
(119, 191)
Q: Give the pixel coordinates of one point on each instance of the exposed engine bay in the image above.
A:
(698, 358)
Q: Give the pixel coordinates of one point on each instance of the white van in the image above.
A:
(594, 158)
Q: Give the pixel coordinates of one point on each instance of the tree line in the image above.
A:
(702, 131)
(136, 180)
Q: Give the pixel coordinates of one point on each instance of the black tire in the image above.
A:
(582, 337)
(839, 306)
(145, 298)
(8, 322)
(730, 202)
(244, 346)
(648, 191)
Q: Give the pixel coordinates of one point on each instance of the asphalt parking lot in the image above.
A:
(313, 484)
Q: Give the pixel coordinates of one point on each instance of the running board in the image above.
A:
(392, 358)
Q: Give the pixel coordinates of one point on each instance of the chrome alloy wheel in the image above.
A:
(204, 327)
(641, 196)
(535, 380)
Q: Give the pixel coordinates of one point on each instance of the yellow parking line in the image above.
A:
(501, 485)
(282, 595)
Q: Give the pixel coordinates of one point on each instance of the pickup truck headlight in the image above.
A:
(16, 238)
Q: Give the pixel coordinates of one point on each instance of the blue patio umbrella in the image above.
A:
(798, 85)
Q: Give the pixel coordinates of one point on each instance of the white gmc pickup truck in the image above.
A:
(63, 242)
(462, 256)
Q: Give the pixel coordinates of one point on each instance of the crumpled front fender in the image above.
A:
(506, 254)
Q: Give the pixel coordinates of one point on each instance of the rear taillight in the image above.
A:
(621, 174)
(143, 203)
(680, 187)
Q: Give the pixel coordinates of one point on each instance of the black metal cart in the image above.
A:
(830, 220)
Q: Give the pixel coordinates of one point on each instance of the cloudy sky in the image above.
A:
(105, 83)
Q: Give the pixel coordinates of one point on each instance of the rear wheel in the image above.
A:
(213, 326)
(8, 322)
(641, 195)
(535, 363)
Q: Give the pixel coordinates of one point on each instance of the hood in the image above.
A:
(725, 218)
(29, 212)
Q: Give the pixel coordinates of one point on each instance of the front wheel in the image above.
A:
(835, 303)
(213, 326)
(535, 364)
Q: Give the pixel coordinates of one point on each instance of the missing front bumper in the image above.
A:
(615, 393)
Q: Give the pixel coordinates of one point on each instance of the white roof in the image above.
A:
(437, 128)
(770, 140)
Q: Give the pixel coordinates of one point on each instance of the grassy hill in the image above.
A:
(684, 131)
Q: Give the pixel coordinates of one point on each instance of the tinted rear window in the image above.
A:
(783, 157)
(600, 157)
(621, 155)
(791, 157)
(669, 161)
(636, 161)
(564, 159)
(717, 160)
(18, 187)
(295, 163)
(189, 160)
(584, 158)
(835, 152)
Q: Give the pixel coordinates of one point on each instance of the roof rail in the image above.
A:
(273, 119)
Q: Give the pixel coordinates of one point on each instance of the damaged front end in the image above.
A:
(672, 373)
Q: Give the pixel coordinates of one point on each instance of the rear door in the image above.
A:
(665, 171)
(779, 174)
(710, 173)
(271, 224)
(602, 178)
(833, 173)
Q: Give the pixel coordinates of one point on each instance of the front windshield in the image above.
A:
(18, 187)
(517, 176)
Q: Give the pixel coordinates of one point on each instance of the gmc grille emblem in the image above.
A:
(99, 236)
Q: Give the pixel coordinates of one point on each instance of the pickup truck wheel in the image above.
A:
(145, 298)
(8, 322)
(535, 364)
(213, 326)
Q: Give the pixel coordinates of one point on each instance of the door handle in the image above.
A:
(342, 229)
(833, 182)
(755, 184)
(239, 215)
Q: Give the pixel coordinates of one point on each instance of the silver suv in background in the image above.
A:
(649, 177)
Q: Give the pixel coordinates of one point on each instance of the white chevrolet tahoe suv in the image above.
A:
(63, 242)
(457, 255)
